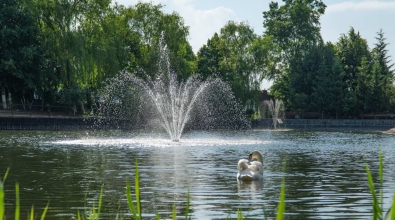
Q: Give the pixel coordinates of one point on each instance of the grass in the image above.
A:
(17, 202)
(135, 207)
(377, 203)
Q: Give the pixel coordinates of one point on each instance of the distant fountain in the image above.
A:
(206, 104)
(275, 109)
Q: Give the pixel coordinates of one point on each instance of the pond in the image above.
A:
(325, 173)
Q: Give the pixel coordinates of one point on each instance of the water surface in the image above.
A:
(325, 172)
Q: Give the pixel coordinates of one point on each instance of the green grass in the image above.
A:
(377, 203)
(17, 202)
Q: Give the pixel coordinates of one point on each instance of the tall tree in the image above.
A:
(209, 57)
(364, 87)
(148, 21)
(381, 54)
(383, 74)
(351, 49)
(328, 83)
(294, 26)
(295, 29)
(229, 55)
(21, 58)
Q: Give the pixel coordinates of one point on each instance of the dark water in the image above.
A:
(325, 173)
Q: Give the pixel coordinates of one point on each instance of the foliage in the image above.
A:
(377, 203)
(21, 56)
(294, 26)
(229, 55)
(17, 202)
(147, 22)
(48, 46)
(281, 204)
(341, 79)
(73, 96)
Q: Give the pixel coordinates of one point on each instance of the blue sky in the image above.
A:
(205, 17)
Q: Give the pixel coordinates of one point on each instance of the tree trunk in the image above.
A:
(10, 99)
(3, 97)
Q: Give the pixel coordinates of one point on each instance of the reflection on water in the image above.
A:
(325, 173)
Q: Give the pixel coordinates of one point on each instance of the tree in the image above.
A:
(295, 29)
(351, 49)
(328, 83)
(364, 87)
(383, 74)
(148, 21)
(229, 55)
(294, 26)
(21, 56)
(380, 51)
(209, 57)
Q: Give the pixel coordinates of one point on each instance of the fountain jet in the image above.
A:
(166, 101)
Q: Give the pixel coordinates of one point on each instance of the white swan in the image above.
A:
(252, 168)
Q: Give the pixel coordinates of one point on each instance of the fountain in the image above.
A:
(206, 104)
(276, 111)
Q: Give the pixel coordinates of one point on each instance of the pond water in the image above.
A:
(325, 172)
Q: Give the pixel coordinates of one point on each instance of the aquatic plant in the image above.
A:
(377, 203)
(17, 202)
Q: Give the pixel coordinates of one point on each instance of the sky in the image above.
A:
(205, 17)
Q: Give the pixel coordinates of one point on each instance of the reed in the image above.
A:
(281, 204)
(377, 203)
(17, 202)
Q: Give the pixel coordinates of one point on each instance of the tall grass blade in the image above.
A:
(281, 204)
(2, 205)
(174, 214)
(157, 216)
(93, 213)
(6, 174)
(1, 201)
(130, 200)
(376, 208)
(78, 215)
(381, 179)
(188, 204)
(239, 214)
(32, 213)
(392, 212)
(45, 212)
(17, 202)
(100, 202)
(137, 186)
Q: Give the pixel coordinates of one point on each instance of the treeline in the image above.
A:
(345, 78)
(62, 51)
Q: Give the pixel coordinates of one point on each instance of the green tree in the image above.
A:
(295, 30)
(364, 87)
(147, 21)
(381, 54)
(328, 83)
(383, 75)
(230, 56)
(351, 49)
(21, 56)
(209, 57)
(294, 26)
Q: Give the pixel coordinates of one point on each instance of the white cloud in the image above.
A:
(365, 5)
(203, 23)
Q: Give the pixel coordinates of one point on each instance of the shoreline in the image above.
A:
(36, 122)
